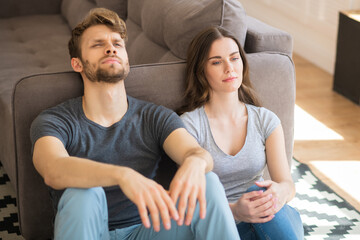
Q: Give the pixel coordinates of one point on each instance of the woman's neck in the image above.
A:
(224, 106)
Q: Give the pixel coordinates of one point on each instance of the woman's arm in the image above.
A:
(281, 185)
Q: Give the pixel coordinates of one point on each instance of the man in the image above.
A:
(99, 153)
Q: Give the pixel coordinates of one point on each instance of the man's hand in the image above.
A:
(187, 187)
(189, 184)
(149, 196)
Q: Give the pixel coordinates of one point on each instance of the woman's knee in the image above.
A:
(255, 188)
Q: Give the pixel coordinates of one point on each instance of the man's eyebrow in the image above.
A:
(218, 57)
(96, 40)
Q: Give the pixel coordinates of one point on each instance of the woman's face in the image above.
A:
(224, 66)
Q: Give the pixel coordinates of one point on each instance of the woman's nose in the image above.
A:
(228, 67)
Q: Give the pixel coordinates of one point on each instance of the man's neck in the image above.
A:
(104, 103)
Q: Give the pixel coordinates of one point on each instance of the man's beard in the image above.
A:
(104, 75)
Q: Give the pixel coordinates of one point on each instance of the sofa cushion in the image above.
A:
(75, 10)
(173, 24)
(265, 38)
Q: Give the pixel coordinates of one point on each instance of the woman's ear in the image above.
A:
(76, 64)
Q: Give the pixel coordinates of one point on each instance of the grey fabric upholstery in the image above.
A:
(35, 73)
(75, 10)
(24, 7)
(161, 25)
(262, 37)
(27, 50)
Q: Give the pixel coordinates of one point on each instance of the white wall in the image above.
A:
(312, 23)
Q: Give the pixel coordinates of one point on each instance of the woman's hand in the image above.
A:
(254, 207)
(277, 190)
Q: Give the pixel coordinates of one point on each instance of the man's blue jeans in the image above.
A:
(286, 225)
(82, 214)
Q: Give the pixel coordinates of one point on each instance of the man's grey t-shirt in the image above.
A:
(237, 173)
(135, 141)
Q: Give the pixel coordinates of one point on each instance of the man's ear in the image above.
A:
(76, 64)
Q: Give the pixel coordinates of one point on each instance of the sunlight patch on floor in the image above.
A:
(309, 128)
(342, 174)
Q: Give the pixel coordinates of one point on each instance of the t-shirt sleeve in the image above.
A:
(269, 121)
(190, 124)
(164, 122)
(49, 124)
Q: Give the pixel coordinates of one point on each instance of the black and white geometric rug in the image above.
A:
(325, 214)
(9, 223)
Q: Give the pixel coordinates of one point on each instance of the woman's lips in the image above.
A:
(229, 79)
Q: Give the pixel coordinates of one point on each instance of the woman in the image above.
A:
(223, 113)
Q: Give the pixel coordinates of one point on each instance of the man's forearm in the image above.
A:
(82, 173)
(202, 157)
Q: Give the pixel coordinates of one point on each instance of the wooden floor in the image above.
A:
(327, 131)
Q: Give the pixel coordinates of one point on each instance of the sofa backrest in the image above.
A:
(165, 27)
(75, 10)
(16, 8)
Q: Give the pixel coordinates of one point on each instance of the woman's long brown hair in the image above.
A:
(197, 90)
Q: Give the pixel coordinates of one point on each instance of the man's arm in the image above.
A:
(60, 171)
(188, 184)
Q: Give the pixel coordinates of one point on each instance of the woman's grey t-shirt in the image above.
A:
(237, 173)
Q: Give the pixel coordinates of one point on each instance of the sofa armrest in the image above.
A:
(15, 8)
(261, 37)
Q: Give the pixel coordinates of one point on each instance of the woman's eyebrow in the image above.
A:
(218, 57)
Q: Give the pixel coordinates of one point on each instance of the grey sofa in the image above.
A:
(35, 73)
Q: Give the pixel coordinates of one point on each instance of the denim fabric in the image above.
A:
(286, 225)
(82, 214)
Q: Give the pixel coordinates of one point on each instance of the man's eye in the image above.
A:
(96, 45)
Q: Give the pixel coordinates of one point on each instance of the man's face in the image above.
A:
(104, 56)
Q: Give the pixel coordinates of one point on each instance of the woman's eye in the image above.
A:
(235, 58)
(216, 63)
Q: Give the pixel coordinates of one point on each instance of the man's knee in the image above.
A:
(82, 213)
(214, 189)
(83, 201)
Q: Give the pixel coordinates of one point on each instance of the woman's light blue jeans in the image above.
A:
(286, 225)
(83, 214)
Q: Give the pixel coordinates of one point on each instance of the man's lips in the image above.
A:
(110, 60)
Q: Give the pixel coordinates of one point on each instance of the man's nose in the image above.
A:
(110, 50)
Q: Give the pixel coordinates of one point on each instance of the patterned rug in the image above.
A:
(324, 213)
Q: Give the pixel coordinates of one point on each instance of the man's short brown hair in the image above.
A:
(96, 16)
